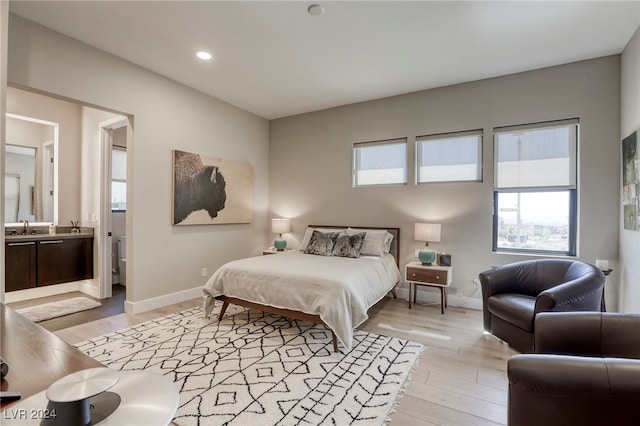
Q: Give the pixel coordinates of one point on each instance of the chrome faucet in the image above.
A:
(25, 227)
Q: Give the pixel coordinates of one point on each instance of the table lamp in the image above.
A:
(427, 232)
(280, 226)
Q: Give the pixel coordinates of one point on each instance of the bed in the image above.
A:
(331, 290)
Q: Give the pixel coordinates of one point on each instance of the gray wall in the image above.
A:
(310, 162)
(629, 270)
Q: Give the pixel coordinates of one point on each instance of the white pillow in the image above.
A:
(309, 232)
(376, 242)
(387, 242)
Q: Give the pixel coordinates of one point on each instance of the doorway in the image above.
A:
(113, 198)
(84, 191)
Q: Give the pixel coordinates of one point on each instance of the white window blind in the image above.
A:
(119, 164)
(118, 179)
(380, 163)
(451, 157)
(534, 156)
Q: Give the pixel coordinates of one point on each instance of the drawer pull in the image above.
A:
(21, 244)
(437, 277)
(413, 275)
(51, 242)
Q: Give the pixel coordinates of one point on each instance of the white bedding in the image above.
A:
(340, 290)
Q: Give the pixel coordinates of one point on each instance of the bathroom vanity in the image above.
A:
(37, 260)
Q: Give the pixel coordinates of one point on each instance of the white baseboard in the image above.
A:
(89, 287)
(426, 296)
(193, 293)
(35, 293)
(162, 301)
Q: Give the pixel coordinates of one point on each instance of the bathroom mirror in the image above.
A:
(31, 148)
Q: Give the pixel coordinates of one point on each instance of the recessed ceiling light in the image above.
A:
(205, 56)
(315, 9)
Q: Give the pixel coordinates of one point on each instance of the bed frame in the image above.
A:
(298, 315)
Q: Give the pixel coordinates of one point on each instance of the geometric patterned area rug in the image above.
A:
(254, 368)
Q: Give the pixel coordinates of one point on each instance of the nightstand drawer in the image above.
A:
(274, 251)
(427, 275)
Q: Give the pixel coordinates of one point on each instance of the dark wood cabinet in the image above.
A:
(20, 265)
(61, 261)
(30, 264)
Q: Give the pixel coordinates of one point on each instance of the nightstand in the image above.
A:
(430, 275)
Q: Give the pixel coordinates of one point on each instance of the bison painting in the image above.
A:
(196, 187)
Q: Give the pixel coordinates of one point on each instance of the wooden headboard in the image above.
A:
(395, 244)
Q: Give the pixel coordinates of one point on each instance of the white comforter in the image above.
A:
(340, 290)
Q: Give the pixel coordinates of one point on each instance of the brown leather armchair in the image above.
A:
(513, 294)
(585, 371)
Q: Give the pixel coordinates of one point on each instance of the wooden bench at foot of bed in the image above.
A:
(288, 313)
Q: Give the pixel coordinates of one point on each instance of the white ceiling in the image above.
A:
(274, 59)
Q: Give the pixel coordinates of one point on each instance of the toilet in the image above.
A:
(122, 259)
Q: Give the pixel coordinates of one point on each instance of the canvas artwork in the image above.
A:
(630, 181)
(209, 191)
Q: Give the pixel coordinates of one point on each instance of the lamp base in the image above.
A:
(280, 244)
(426, 256)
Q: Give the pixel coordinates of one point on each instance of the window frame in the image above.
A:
(572, 189)
(478, 133)
(572, 235)
(355, 161)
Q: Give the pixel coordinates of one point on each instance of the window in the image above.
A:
(380, 163)
(452, 157)
(535, 188)
(118, 179)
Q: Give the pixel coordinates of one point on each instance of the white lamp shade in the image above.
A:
(280, 226)
(429, 232)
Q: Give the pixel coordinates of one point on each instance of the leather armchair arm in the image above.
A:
(572, 390)
(584, 293)
(588, 334)
(498, 280)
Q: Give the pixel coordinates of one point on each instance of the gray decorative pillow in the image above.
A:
(321, 243)
(348, 245)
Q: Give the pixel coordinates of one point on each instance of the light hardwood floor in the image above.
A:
(460, 379)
